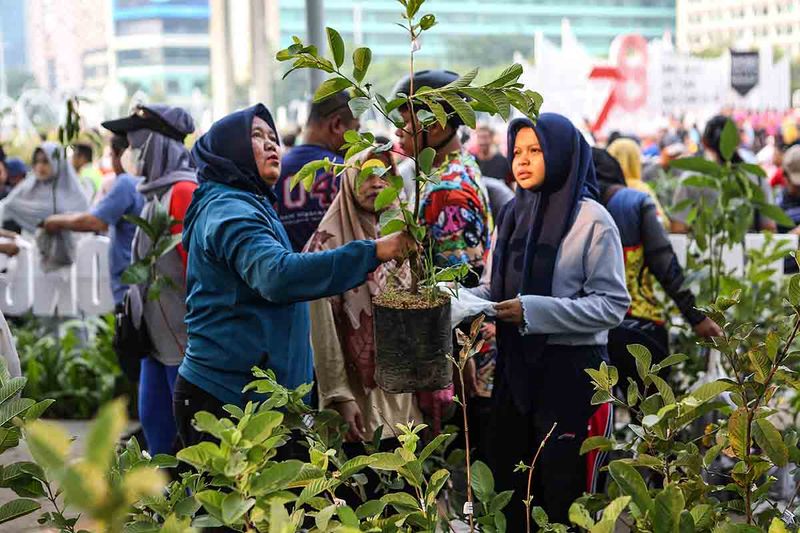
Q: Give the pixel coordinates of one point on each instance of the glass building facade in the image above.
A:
(594, 22)
(162, 46)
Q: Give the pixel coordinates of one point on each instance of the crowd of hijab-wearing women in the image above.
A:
(552, 261)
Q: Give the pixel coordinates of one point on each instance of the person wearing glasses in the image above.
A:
(299, 210)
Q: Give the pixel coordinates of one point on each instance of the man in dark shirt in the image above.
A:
(491, 162)
(301, 211)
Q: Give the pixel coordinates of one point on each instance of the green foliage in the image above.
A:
(74, 364)
(25, 479)
(665, 473)
(430, 107)
(156, 230)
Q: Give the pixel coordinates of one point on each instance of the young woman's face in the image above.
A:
(265, 151)
(41, 165)
(372, 186)
(528, 164)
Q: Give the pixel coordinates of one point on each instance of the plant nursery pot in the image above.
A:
(412, 347)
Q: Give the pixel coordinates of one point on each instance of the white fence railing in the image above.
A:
(83, 288)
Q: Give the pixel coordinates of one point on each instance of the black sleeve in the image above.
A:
(663, 263)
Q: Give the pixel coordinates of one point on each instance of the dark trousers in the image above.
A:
(562, 394)
(635, 331)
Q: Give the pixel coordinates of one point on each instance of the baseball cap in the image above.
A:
(791, 164)
(173, 122)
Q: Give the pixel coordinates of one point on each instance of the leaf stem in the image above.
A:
(528, 495)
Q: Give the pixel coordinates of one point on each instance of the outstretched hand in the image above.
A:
(396, 246)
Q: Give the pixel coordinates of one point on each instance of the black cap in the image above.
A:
(172, 122)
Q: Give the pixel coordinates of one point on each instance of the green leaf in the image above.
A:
(482, 97)
(275, 477)
(48, 444)
(579, 516)
(336, 45)
(482, 481)
(330, 87)
(105, 432)
(462, 108)
(393, 226)
(11, 388)
(464, 80)
(775, 213)
(433, 445)
(136, 274)
(427, 22)
(386, 198)
(324, 516)
(794, 290)
(673, 359)
(610, 515)
(508, 76)
(17, 508)
(709, 391)
(703, 515)
(540, 516)
(211, 501)
(729, 140)
(699, 181)
(359, 105)
(387, 461)
(426, 158)
(597, 442)
(500, 501)
(370, 509)
(439, 112)
(686, 522)
(760, 362)
(355, 465)
(643, 359)
(437, 481)
(362, 57)
(234, 507)
(501, 102)
(773, 344)
(348, 517)
(711, 455)
(200, 455)
(631, 483)
(663, 389)
(755, 170)
(668, 506)
(36, 410)
(697, 164)
(769, 439)
(400, 500)
(261, 426)
(737, 432)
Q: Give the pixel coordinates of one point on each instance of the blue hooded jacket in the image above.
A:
(245, 286)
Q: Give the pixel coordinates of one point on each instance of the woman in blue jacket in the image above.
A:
(246, 289)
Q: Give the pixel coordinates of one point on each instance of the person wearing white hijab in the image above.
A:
(51, 187)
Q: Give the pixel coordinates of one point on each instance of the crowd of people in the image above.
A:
(566, 239)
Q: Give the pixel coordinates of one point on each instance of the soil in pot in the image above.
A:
(413, 341)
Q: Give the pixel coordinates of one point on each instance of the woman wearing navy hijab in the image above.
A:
(246, 289)
(558, 275)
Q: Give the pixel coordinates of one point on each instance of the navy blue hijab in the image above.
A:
(225, 152)
(530, 229)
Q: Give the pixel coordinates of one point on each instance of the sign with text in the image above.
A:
(744, 71)
(81, 289)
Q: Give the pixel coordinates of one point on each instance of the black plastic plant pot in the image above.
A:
(412, 347)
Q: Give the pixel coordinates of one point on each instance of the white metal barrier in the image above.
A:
(82, 289)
